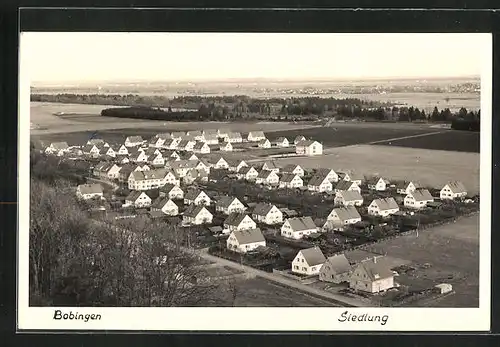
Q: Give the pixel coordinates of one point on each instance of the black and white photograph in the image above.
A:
(254, 181)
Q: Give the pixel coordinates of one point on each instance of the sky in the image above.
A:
(121, 57)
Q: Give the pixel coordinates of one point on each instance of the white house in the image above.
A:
(165, 205)
(340, 217)
(226, 147)
(243, 241)
(133, 141)
(210, 139)
(383, 207)
(195, 134)
(238, 221)
(177, 135)
(350, 176)
(418, 199)
(372, 276)
(296, 228)
(298, 139)
(294, 169)
(172, 191)
(89, 191)
(309, 147)
(344, 185)
(328, 173)
(264, 143)
(268, 178)
(158, 140)
(378, 183)
(187, 156)
(406, 187)
(453, 190)
(181, 167)
(96, 141)
(291, 181)
(336, 269)
(281, 142)
(229, 204)
(267, 214)
(319, 184)
(151, 179)
(248, 173)
(271, 166)
(139, 157)
(197, 197)
(201, 147)
(122, 150)
(92, 150)
(171, 143)
(233, 137)
(113, 172)
(234, 165)
(308, 261)
(219, 163)
(348, 198)
(197, 215)
(255, 136)
(138, 199)
(156, 160)
(57, 148)
(186, 145)
(109, 151)
(222, 132)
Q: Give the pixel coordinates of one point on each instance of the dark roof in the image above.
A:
(376, 269)
(244, 170)
(167, 188)
(301, 223)
(159, 202)
(305, 143)
(134, 195)
(288, 177)
(262, 209)
(316, 180)
(270, 165)
(421, 195)
(135, 138)
(456, 187)
(344, 185)
(248, 236)
(225, 201)
(193, 210)
(192, 194)
(313, 256)
(350, 195)
(386, 204)
(290, 167)
(346, 213)
(337, 264)
(265, 174)
(235, 218)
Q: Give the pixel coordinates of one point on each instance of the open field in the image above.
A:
(430, 167)
(452, 251)
(79, 118)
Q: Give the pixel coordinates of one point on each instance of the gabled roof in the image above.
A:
(338, 264)
(305, 143)
(234, 135)
(386, 204)
(163, 136)
(281, 139)
(248, 236)
(256, 133)
(210, 132)
(270, 165)
(290, 167)
(457, 187)
(265, 174)
(168, 142)
(262, 209)
(199, 145)
(193, 194)
(235, 218)
(344, 185)
(346, 213)
(404, 185)
(244, 170)
(59, 145)
(90, 188)
(167, 188)
(313, 256)
(225, 201)
(134, 195)
(95, 141)
(316, 180)
(225, 143)
(223, 130)
(288, 177)
(183, 143)
(194, 133)
(301, 223)
(421, 195)
(160, 202)
(183, 164)
(127, 168)
(374, 180)
(178, 134)
(350, 195)
(135, 139)
(299, 138)
(194, 210)
(150, 174)
(210, 137)
(261, 142)
(375, 269)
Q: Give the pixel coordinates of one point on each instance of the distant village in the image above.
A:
(169, 177)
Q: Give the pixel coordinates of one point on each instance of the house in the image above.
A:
(92, 150)
(196, 197)
(171, 143)
(151, 179)
(350, 176)
(348, 198)
(187, 156)
(378, 184)
(234, 165)
(222, 132)
(271, 166)
(209, 132)
(238, 221)
(181, 167)
(101, 169)
(197, 215)
(267, 177)
(309, 147)
(170, 154)
(138, 199)
(122, 159)
(194, 175)
(229, 204)
(243, 241)
(125, 172)
(95, 141)
(267, 214)
(57, 148)
(89, 191)
(418, 198)
(255, 136)
(186, 145)
(344, 185)
(233, 137)
(340, 217)
(291, 181)
(178, 135)
(156, 159)
(139, 157)
(296, 228)
(330, 174)
(219, 163)
(122, 150)
(281, 142)
(166, 206)
(226, 147)
(371, 276)
(336, 269)
(383, 207)
(201, 147)
(172, 191)
(308, 261)
(133, 141)
(202, 166)
(151, 151)
(407, 187)
(248, 173)
(319, 184)
(294, 169)
(158, 140)
(210, 139)
(195, 134)
(109, 151)
(113, 172)
(265, 143)
(298, 139)
(453, 190)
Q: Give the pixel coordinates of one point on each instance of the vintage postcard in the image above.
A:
(237, 182)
